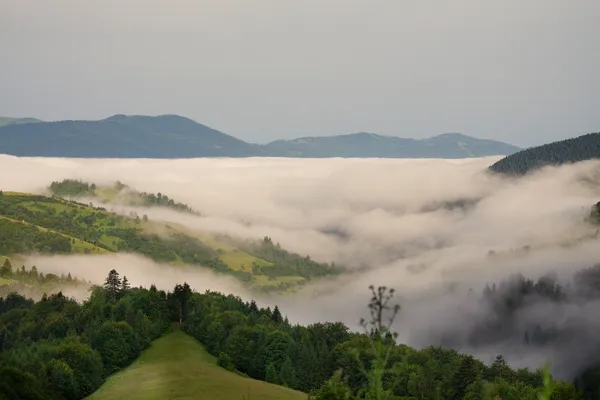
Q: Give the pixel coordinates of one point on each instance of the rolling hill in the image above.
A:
(449, 145)
(173, 136)
(31, 223)
(573, 150)
(176, 366)
(120, 136)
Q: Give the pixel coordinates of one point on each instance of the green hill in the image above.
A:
(173, 136)
(176, 366)
(573, 150)
(53, 225)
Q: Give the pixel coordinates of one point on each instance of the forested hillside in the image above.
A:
(118, 193)
(54, 225)
(60, 349)
(581, 148)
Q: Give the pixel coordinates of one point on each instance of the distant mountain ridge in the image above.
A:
(448, 145)
(582, 148)
(15, 121)
(173, 136)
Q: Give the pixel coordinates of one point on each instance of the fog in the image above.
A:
(431, 229)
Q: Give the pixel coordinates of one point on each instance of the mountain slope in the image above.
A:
(450, 145)
(573, 150)
(17, 121)
(176, 366)
(53, 225)
(120, 136)
(172, 136)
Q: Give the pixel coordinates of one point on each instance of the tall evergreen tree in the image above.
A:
(112, 284)
(276, 316)
(465, 375)
(125, 286)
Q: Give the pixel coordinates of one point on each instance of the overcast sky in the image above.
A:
(523, 71)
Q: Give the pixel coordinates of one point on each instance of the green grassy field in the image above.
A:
(176, 366)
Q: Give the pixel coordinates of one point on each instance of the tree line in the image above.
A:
(78, 188)
(57, 348)
(573, 150)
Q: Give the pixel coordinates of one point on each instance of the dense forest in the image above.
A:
(73, 188)
(581, 148)
(57, 348)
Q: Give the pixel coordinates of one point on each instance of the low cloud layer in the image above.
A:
(432, 229)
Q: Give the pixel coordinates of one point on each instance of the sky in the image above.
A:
(524, 72)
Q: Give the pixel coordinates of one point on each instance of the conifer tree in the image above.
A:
(6, 269)
(125, 286)
(277, 317)
(112, 284)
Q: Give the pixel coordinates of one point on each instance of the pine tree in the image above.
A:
(6, 269)
(253, 306)
(464, 376)
(277, 317)
(113, 283)
(125, 286)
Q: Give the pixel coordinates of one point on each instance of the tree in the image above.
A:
(6, 269)
(464, 376)
(112, 284)
(277, 317)
(379, 328)
(287, 376)
(125, 286)
(271, 375)
(334, 388)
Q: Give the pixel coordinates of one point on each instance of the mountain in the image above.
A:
(120, 136)
(448, 145)
(172, 136)
(17, 121)
(573, 150)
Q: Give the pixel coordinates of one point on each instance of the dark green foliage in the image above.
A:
(573, 150)
(18, 237)
(72, 188)
(224, 361)
(286, 263)
(306, 358)
(57, 348)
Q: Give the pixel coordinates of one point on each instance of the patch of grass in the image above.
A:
(5, 282)
(176, 366)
